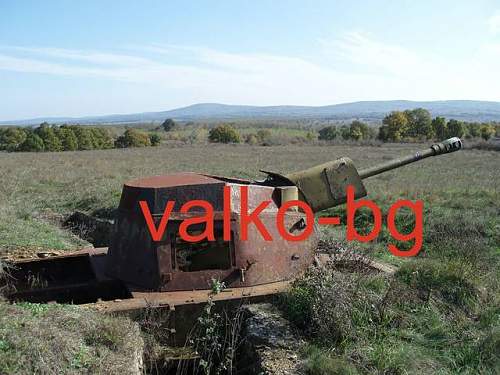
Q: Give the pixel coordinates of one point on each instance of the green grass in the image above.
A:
(57, 339)
(321, 362)
(440, 313)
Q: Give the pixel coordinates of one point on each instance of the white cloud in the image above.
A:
(494, 23)
(355, 66)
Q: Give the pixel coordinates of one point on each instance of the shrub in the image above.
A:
(264, 136)
(155, 139)
(486, 131)
(358, 130)
(345, 132)
(133, 138)
(224, 134)
(328, 133)
(473, 130)
(252, 139)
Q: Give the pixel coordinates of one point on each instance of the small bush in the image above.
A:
(133, 138)
(264, 136)
(224, 134)
(486, 131)
(252, 139)
(328, 133)
(155, 139)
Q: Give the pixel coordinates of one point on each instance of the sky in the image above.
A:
(83, 58)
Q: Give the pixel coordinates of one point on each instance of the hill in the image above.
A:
(470, 110)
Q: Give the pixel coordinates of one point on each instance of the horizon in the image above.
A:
(63, 59)
(71, 118)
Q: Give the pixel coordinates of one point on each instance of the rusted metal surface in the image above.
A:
(171, 300)
(153, 266)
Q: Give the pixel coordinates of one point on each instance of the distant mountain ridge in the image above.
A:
(470, 110)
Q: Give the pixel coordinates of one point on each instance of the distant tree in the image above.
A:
(382, 133)
(169, 125)
(224, 134)
(372, 132)
(487, 131)
(439, 127)
(358, 130)
(12, 138)
(328, 133)
(155, 139)
(133, 138)
(396, 124)
(419, 123)
(472, 130)
(68, 138)
(345, 132)
(49, 136)
(84, 136)
(33, 143)
(455, 128)
(101, 139)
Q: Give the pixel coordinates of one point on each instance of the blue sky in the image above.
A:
(69, 58)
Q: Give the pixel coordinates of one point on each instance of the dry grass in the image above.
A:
(55, 339)
(35, 186)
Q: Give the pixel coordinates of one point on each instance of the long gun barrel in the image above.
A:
(444, 147)
(325, 185)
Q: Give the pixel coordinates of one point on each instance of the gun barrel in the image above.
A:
(444, 147)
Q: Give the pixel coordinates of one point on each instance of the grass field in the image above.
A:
(439, 314)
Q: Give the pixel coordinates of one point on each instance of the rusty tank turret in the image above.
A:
(137, 272)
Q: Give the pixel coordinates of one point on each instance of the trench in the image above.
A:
(95, 229)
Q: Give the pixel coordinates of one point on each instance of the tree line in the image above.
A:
(415, 124)
(49, 138)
